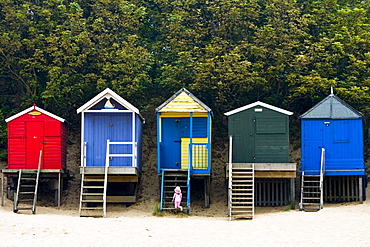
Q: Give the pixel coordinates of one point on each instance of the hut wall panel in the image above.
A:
(199, 127)
(16, 129)
(259, 136)
(20, 150)
(16, 153)
(343, 143)
(138, 136)
(52, 128)
(64, 137)
(113, 126)
(52, 158)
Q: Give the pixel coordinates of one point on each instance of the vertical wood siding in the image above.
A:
(27, 135)
(343, 143)
(259, 137)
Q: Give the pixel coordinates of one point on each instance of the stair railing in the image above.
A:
(37, 183)
(322, 171)
(162, 191)
(302, 193)
(188, 191)
(83, 176)
(15, 203)
(253, 191)
(107, 158)
(230, 176)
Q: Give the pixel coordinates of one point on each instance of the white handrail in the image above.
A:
(84, 154)
(230, 174)
(322, 170)
(37, 183)
(106, 180)
(133, 154)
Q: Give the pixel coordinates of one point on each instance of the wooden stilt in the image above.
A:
(2, 189)
(59, 189)
(360, 189)
(207, 192)
(292, 193)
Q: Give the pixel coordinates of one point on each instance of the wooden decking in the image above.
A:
(271, 170)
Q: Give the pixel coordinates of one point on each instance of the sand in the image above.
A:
(344, 224)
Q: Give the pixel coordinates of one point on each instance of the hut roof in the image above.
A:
(331, 107)
(258, 103)
(33, 108)
(183, 101)
(107, 93)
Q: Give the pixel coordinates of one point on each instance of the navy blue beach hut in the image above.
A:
(332, 165)
(111, 152)
(183, 146)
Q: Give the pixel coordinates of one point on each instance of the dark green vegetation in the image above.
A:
(228, 53)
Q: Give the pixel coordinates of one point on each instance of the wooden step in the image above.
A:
(24, 208)
(93, 187)
(92, 208)
(311, 198)
(29, 179)
(87, 200)
(92, 194)
(27, 192)
(94, 180)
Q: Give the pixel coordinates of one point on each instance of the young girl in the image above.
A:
(177, 196)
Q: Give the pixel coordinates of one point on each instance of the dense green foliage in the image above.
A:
(60, 53)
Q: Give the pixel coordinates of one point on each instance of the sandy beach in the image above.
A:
(343, 224)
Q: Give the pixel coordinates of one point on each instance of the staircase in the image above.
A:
(93, 195)
(92, 201)
(241, 191)
(170, 179)
(26, 194)
(310, 193)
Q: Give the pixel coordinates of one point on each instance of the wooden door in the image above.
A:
(34, 142)
(171, 143)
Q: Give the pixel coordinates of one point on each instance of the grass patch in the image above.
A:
(157, 211)
(287, 207)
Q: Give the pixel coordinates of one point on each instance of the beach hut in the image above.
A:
(111, 152)
(36, 147)
(332, 154)
(183, 146)
(259, 171)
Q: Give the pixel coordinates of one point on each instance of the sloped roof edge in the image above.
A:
(101, 95)
(34, 108)
(258, 103)
(190, 95)
(358, 114)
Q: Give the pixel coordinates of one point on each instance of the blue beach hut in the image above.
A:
(183, 145)
(111, 151)
(332, 154)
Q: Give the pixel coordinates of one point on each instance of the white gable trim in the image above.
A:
(104, 94)
(37, 109)
(258, 103)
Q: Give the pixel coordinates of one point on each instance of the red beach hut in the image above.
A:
(31, 131)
